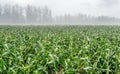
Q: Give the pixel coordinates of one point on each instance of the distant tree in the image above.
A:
(46, 14)
(38, 13)
(0, 13)
(35, 14)
(0, 10)
(17, 14)
(6, 16)
(29, 14)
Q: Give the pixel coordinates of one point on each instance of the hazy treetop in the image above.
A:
(59, 7)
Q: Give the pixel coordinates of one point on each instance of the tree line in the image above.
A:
(27, 14)
(43, 15)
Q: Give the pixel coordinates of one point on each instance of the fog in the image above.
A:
(59, 12)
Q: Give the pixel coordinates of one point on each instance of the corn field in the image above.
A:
(60, 49)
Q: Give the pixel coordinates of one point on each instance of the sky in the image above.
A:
(60, 7)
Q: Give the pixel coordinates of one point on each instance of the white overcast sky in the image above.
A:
(90, 7)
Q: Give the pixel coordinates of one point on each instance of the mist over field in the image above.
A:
(67, 12)
(59, 37)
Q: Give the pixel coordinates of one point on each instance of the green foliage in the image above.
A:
(60, 49)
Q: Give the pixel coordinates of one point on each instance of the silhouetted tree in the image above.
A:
(46, 15)
(0, 13)
(29, 14)
(0, 10)
(17, 14)
(6, 16)
(43, 15)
